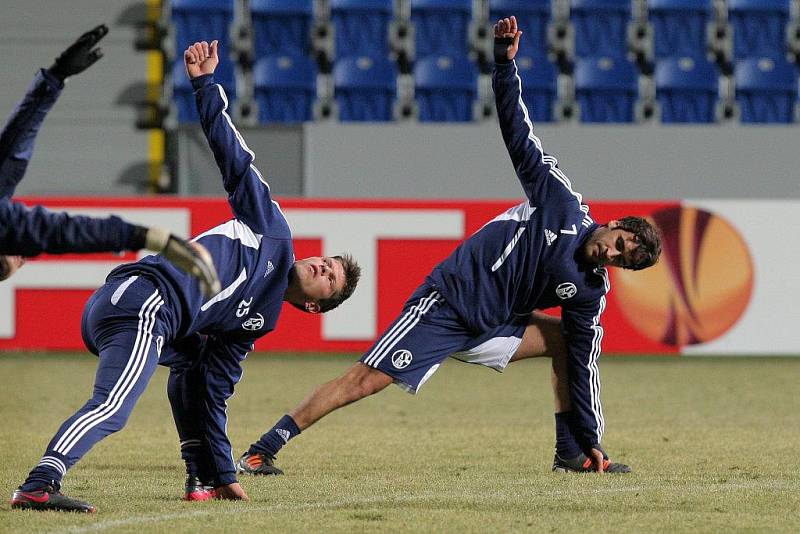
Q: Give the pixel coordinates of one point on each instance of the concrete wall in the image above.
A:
(449, 161)
(615, 162)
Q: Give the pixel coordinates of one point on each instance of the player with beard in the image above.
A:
(479, 304)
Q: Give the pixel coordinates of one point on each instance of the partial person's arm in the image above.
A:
(248, 192)
(583, 335)
(32, 231)
(19, 134)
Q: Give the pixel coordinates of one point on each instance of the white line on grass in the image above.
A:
(158, 518)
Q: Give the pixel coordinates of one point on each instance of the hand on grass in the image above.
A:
(231, 492)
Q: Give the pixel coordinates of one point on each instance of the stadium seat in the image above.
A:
(766, 90)
(533, 17)
(202, 20)
(183, 94)
(539, 86)
(365, 88)
(441, 27)
(601, 27)
(606, 89)
(285, 88)
(759, 27)
(281, 26)
(679, 27)
(687, 89)
(445, 88)
(361, 27)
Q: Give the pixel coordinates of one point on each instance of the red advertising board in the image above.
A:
(41, 307)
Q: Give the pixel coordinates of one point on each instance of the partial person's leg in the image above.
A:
(184, 389)
(407, 353)
(124, 329)
(357, 382)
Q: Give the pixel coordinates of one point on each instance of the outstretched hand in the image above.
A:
(81, 55)
(201, 58)
(507, 35)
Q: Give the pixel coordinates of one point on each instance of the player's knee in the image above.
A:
(363, 381)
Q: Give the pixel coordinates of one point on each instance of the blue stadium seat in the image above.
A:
(601, 27)
(202, 20)
(281, 26)
(285, 88)
(679, 27)
(361, 27)
(533, 17)
(759, 27)
(687, 89)
(445, 88)
(539, 86)
(441, 27)
(183, 94)
(766, 90)
(606, 89)
(365, 88)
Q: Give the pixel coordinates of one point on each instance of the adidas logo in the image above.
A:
(284, 434)
(270, 268)
(549, 236)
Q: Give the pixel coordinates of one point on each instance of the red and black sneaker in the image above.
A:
(48, 498)
(584, 464)
(257, 464)
(197, 491)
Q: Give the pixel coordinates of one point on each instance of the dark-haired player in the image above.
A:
(150, 313)
(478, 304)
(26, 232)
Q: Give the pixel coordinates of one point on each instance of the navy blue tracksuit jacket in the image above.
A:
(150, 313)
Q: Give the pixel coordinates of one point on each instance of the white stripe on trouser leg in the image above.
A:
(403, 327)
(141, 361)
(55, 463)
(78, 424)
(114, 407)
(124, 385)
(391, 334)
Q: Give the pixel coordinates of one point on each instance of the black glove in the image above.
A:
(501, 45)
(80, 55)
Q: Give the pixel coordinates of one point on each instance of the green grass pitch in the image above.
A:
(713, 443)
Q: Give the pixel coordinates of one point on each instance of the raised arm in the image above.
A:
(19, 134)
(248, 192)
(538, 172)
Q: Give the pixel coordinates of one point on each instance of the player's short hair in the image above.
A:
(5, 268)
(649, 239)
(352, 273)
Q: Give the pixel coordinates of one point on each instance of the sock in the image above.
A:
(278, 436)
(566, 445)
(40, 477)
